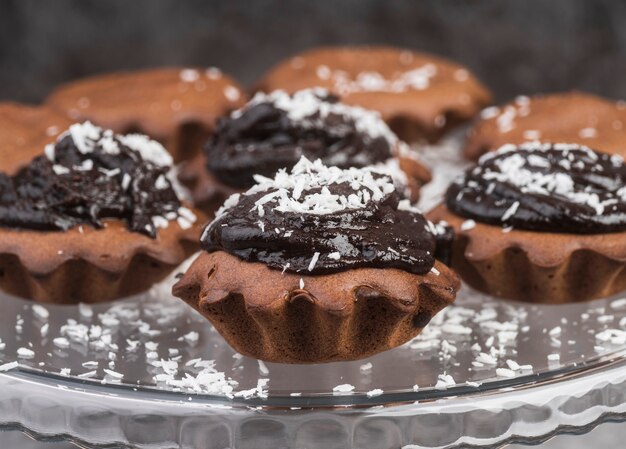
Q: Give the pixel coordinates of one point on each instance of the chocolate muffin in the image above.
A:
(24, 131)
(176, 106)
(319, 265)
(275, 130)
(540, 223)
(573, 117)
(96, 217)
(420, 96)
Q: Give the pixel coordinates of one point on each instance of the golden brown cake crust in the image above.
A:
(168, 104)
(453, 95)
(208, 193)
(24, 132)
(573, 117)
(294, 318)
(91, 265)
(537, 266)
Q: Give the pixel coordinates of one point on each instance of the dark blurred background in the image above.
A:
(522, 46)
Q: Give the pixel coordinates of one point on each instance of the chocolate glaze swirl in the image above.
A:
(544, 187)
(87, 176)
(274, 131)
(382, 233)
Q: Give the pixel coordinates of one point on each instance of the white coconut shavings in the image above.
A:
(513, 365)
(290, 192)
(207, 381)
(336, 255)
(114, 374)
(343, 389)
(489, 113)
(588, 133)
(370, 81)
(189, 75)
(87, 137)
(191, 337)
(505, 372)
(406, 205)
(510, 211)
(555, 332)
(40, 311)
(375, 392)
(260, 390)
(532, 134)
(391, 167)
(505, 117)
(618, 303)
(444, 381)
(513, 169)
(462, 327)
(308, 109)
(366, 367)
(486, 359)
(263, 369)
(8, 366)
(612, 336)
(232, 93)
(467, 225)
(454, 328)
(25, 353)
(61, 342)
(314, 260)
(213, 73)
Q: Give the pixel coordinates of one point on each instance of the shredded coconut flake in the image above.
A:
(316, 176)
(343, 389)
(308, 110)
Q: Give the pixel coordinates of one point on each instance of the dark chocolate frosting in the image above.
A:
(89, 175)
(322, 219)
(273, 131)
(544, 187)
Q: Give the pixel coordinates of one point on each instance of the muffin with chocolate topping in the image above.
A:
(420, 96)
(24, 131)
(176, 106)
(96, 217)
(318, 265)
(573, 117)
(540, 222)
(274, 130)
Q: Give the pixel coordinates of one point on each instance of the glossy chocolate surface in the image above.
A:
(274, 131)
(323, 219)
(90, 175)
(544, 187)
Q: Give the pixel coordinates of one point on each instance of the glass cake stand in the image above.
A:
(149, 372)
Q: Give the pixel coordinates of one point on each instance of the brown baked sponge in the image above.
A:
(290, 318)
(573, 117)
(90, 265)
(536, 266)
(176, 106)
(420, 96)
(24, 131)
(208, 193)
